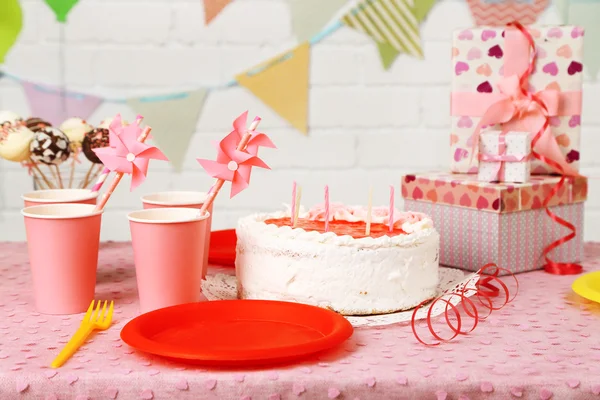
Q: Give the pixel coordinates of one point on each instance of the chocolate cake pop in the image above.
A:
(95, 139)
(75, 128)
(50, 146)
(36, 124)
(14, 142)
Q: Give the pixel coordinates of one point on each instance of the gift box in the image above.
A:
(488, 63)
(481, 222)
(504, 157)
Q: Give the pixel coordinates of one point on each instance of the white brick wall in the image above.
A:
(368, 126)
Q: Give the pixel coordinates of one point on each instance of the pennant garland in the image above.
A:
(173, 120)
(310, 16)
(47, 102)
(61, 8)
(502, 12)
(282, 84)
(391, 23)
(212, 8)
(11, 23)
(586, 14)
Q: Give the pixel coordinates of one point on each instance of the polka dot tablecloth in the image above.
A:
(545, 344)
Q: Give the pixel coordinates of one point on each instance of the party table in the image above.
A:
(545, 344)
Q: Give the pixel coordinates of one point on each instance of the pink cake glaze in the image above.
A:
(349, 220)
(340, 228)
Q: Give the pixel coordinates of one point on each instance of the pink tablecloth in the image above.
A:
(546, 344)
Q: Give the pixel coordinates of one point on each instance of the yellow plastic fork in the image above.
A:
(91, 321)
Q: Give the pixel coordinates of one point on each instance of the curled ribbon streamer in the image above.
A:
(551, 266)
(485, 290)
(29, 166)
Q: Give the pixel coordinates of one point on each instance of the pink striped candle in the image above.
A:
(326, 208)
(391, 208)
(293, 210)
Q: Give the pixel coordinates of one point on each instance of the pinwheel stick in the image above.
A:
(219, 183)
(142, 138)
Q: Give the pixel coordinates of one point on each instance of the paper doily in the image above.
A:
(224, 287)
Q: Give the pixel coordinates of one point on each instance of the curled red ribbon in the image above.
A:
(551, 266)
(490, 292)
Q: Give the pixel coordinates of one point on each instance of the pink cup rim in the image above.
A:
(184, 198)
(168, 215)
(62, 195)
(61, 211)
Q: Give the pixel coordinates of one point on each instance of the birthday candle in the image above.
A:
(391, 208)
(298, 202)
(326, 208)
(293, 213)
(369, 208)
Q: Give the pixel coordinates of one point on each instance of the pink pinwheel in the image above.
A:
(127, 155)
(256, 139)
(235, 165)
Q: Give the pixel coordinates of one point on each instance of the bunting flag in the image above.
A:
(212, 8)
(502, 12)
(310, 16)
(422, 8)
(51, 104)
(586, 13)
(562, 8)
(61, 8)
(391, 23)
(11, 22)
(173, 119)
(282, 84)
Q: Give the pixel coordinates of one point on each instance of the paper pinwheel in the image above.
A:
(235, 165)
(256, 138)
(126, 154)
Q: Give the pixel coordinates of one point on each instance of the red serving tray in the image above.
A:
(237, 332)
(222, 248)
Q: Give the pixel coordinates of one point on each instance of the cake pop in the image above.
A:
(14, 142)
(95, 139)
(105, 124)
(75, 128)
(36, 124)
(9, 119)
(50, 146)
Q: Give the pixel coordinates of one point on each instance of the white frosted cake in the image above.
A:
(342, 270)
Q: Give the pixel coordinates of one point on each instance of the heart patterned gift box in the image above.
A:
(504, 223)
(487, 66)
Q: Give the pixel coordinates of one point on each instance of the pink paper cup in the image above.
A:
(59, 196)
(168, 260)
(63, 242)
(186, 200)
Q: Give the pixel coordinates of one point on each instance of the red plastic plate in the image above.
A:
(222, 248)
(237, 332)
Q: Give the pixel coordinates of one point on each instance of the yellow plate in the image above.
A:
(588, 286)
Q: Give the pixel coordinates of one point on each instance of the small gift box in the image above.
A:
(487, 92)
(504, 157)
(481, 222)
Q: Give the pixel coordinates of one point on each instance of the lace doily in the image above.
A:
(224, 287)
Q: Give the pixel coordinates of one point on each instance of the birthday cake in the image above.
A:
(343, 269)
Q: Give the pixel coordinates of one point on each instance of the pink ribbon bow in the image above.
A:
(502, 158)
(517, 111)
(235, 165)
(126, 155)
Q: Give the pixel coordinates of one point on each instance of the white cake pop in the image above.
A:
(75, 128)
